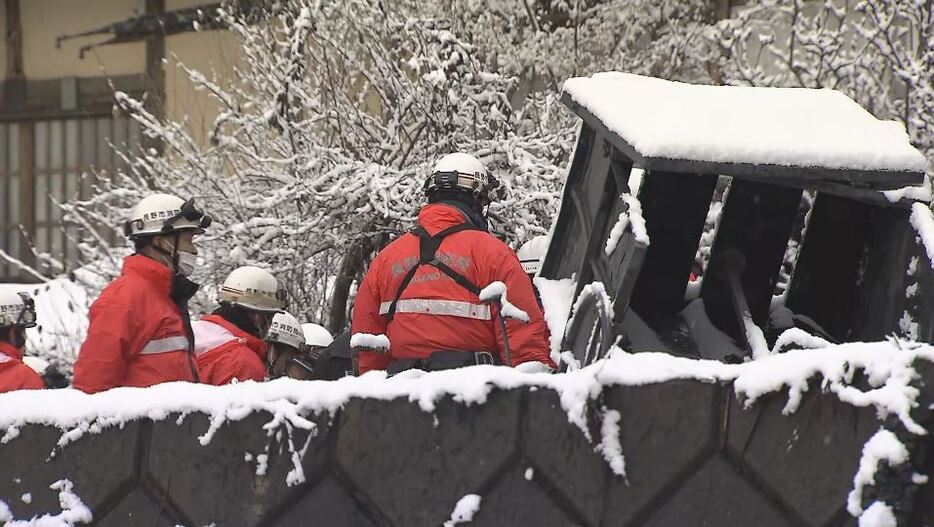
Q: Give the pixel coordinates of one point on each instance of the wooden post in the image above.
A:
(155, 73)
(14, 81)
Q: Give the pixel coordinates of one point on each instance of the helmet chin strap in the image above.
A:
(173, 254)
(271, 366)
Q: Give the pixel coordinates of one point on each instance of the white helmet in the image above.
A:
(17, 309)
(531, 254)
(163, 214)
(316, 335)
(253, 288)
(462, 172)
(286, 329)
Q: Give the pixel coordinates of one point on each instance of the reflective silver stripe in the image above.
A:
(453, 308)
(165, 345)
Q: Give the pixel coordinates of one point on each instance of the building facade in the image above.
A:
(59, 130)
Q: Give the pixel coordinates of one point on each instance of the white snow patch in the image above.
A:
(639, 231)
(529, 474)
(916, 193)
(533, 366)
(757, 342)
(26, 498)
(464, 510)
(262, 464)
(885, 447)
(557, 297)
(879, 514)
(632, 216)
(371, 342)
(908, 326)
(296, 476)
(923, 222)
(496, 292)
(800, 339)
(735, 124)
(610, 446)
(74, 511)
(616, 233)
(919, 479)
(636, 176)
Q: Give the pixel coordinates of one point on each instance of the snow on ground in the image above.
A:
(734, 124)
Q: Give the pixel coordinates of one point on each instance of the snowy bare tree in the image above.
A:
(320, 149)
(318, 154)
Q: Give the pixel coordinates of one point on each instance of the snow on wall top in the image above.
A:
(887, 365)
(792, 127)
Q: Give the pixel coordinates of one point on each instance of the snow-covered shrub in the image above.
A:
(319, 152)
(317, 157)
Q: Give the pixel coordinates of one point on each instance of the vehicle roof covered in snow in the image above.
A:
(789, 133)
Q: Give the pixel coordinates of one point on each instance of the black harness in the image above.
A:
(427, 255)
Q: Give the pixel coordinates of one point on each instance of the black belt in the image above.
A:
(445, 360)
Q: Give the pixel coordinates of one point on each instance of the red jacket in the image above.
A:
(482, 259)
(226, 352)
(136, 335)
(14, 375)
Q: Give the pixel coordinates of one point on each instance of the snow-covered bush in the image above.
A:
(319, 152)
(317, 157)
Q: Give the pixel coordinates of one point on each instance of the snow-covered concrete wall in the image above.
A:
(644, 439)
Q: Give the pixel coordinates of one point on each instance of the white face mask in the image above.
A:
(186, 263)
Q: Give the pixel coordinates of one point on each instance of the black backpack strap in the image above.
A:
(457, 277)
(427, 248)
(422, 237)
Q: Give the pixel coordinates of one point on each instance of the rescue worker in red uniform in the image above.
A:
(422, 291)
(288, 352)
(229, 342)
(530, 256)
(17, 312)
(139, 332)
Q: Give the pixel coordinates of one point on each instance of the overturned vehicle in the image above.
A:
(739, 287)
